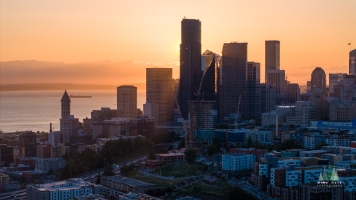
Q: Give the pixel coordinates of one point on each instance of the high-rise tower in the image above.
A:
(65, 105)
(159, 90)
(233, 79)
(126, 101)
(318, 79)
(272, 56)
(210, 64)
(352, 62)
(190, 67)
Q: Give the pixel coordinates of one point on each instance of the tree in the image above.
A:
(217, 142)
(320, 145)
(289, 144)
(108, 171)
(151, 156)
(211, 149)
(98, 179)
(181, 143)
(190, 155)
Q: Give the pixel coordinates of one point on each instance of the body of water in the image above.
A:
(35, 110)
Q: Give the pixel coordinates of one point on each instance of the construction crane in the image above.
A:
(238, 110)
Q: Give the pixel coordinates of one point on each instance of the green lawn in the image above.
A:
(179, 170)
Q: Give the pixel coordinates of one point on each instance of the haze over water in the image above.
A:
(35, 110)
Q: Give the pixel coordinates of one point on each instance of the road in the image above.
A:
(248, 188)
(21, 194)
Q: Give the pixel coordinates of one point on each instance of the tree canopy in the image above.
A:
(190, 155)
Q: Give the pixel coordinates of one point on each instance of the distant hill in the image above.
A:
(63, 86)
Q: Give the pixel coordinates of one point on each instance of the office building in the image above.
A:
(352, 62)
(237, 162)
(210, 65)
(190, 62)
(65, 105)
(272, 56)
(292, 93)
(304, 114)
(125, 184)
(334, 79)
(277, 78)
(151, 110)
(27, 144)
(342, 110)
(62, 190)
(159, 90)
(69, 125)
(268, 97)
(47, 164)
(6, 155)
(253, 91)
(126, 101)
(103, 114)
(233, 80)
(318, 79)
(44, 151)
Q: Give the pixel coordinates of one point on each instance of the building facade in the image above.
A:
(253, 91)
(126, 101)
(318, 79)
(272, 56)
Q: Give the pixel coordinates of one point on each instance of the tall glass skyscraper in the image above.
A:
(210, 64)
(352, 62)
(272, 56)
(190, 62)
(233, 78)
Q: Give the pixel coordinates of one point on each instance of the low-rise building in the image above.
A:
(47, 164)
(237, 162)
(125, 184)
(62, 190)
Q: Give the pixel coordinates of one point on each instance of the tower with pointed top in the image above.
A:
(65, 105)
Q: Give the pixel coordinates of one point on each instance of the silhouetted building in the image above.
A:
(292, 94)
(320, 103)
(159, 90)
(352, 62)
(277, 78)
(126, 101)
(190, 62)
(65, 105)
(6, 154)
(253, 91)
(268, 97)
(233, 79)
(334, 79)
(211, 63)
(272, 56)
(318, 79)
(27, 144)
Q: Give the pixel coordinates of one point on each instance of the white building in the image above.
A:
(237, 162)
(46, 164)
(62, 190)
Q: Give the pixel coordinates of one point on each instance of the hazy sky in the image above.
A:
(312, 33)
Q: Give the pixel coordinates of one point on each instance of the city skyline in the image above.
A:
(65, 33)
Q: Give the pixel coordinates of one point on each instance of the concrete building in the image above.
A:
(270, 118)
(272, 56)
(27, 144)
(277, 78)
(334, 79)
(190, 62)
(253, 91)
(268, 97)
(342, 110)
(6, 154)
(262, 137)
(292, 93)
(65, 105)
(233, 78)
(47, 164)
(352, 62)
(103, 114)
(319, 190)
(125, 184)
(126, 101)
(312, 140)
(151, 110)
(4, 179)
(69, 125)
(237, 162)
(318, 79)
(44, 151)
(304, 113)
(62, 190)
(259, 153)
(159, 90)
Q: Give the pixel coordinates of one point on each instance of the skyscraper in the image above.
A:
(352, 62)
(253, 90)
(210, 64)
(292, 93)
(233, 79)
(318, 79)
(65, 105)
(159, 90)
(272, 55)
(277, 78)
(126, 101)
(190, 58)
(268, 97)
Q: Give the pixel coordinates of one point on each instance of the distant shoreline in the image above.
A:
(62, 86)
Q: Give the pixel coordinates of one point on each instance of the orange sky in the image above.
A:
(312, 33)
